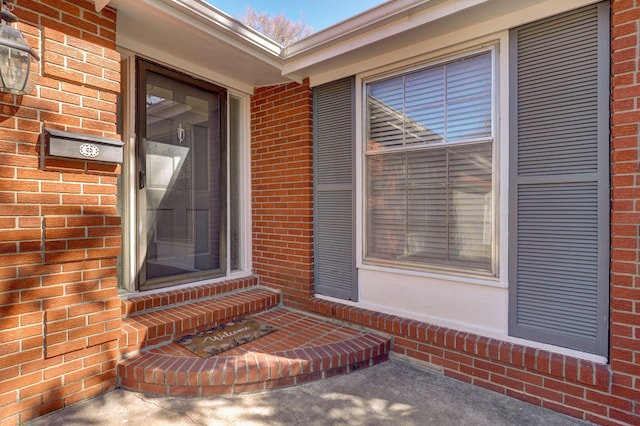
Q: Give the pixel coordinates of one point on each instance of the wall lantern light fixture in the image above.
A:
(18, 61)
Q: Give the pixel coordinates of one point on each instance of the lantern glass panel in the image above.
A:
(15, 62)
(14, 68)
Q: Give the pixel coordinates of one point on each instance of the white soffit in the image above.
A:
(194, 37)
(383, 36)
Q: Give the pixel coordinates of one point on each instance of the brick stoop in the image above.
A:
(304, 347)
(159, 318)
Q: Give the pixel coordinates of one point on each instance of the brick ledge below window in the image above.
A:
(468, 356)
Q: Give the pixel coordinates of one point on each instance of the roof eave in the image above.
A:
(205, 12)
(258, 60)
(388, 19)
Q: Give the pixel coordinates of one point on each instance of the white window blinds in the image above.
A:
(429, 166)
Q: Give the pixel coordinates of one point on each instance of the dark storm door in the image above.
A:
(181, 177)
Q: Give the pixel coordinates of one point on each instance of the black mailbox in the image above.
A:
(83, 146)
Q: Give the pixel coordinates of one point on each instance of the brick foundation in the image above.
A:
(559, 382)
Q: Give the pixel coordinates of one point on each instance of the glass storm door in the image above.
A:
(181, 178)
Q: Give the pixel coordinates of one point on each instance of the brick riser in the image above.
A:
(146, 303)
(161, 326)
(255, 371)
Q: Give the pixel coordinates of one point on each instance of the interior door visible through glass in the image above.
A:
(181, 178)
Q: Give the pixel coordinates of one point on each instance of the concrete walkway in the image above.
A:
(394, 392)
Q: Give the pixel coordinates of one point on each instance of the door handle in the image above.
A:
(142, 179)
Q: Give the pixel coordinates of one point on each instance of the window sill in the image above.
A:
(467, 278)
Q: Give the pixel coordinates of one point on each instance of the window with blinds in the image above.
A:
(429, 166)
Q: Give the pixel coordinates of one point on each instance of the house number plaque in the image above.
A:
(89, 150)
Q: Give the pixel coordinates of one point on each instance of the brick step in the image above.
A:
(157, 326)
(304, 348)
(149, 302)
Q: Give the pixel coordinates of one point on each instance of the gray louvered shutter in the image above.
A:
(334, 168)
(559, 211)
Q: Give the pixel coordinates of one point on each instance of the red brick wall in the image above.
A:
(601, 393)
(60, 235)
(59, 226)
(625, 209)
(282, 191)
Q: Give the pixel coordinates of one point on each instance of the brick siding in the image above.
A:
(60, 235)
(59, 225)
(282, 191)
(625, 214)
(600, 393)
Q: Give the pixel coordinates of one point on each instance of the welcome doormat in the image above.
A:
(223, 337)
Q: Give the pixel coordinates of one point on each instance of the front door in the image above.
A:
(181, 177)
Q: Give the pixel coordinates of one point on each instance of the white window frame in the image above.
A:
(244, 186)
(498, 45)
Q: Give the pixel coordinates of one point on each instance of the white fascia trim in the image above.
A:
(356, 23)
(101, 4)
(204, 16)
(387, 20)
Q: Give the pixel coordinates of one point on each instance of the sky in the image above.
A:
(318, 14)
